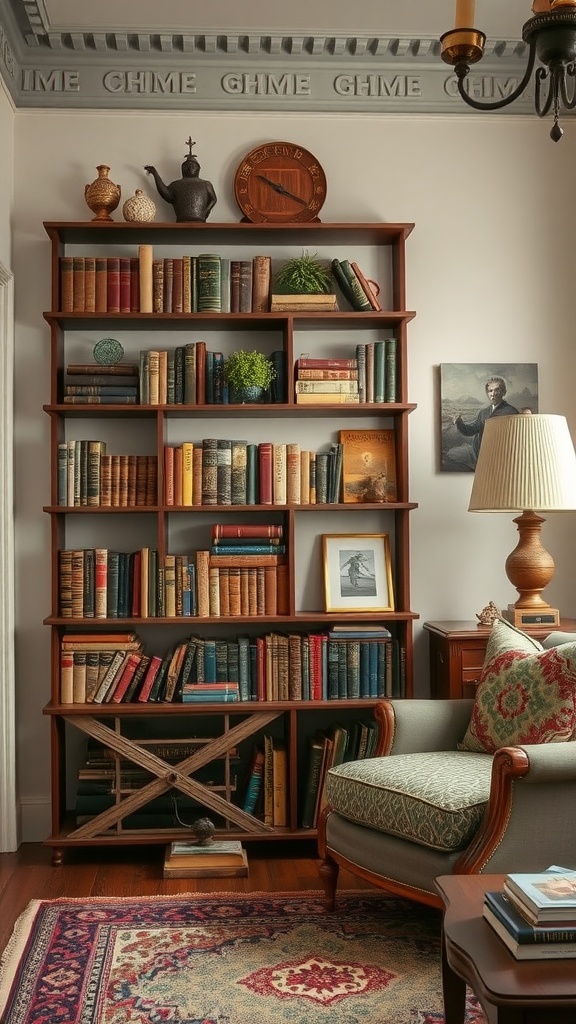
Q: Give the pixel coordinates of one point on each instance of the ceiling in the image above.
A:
(120, 53)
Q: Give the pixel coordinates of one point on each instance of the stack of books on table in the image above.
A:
(535, 915)
(220, 859)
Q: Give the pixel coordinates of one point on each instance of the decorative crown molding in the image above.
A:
(249, 71)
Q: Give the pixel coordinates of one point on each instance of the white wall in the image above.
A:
(489, 273)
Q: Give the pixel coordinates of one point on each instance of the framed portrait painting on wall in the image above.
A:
(470, 394)
(357, 572)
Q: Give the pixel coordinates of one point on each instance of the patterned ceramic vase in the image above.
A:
(139, 207)
(102, 196)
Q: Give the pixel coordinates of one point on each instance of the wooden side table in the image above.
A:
(510, 991)
(457, 652)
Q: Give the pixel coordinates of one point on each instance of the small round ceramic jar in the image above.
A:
(139, 207)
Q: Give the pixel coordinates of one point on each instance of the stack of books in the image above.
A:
(535, 915)
(101, 384)
(221, 859)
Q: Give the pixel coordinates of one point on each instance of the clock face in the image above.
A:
(280, 182)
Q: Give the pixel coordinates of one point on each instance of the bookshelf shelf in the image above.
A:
(226, 734)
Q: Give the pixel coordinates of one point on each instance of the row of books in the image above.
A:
(229, 471)
(369, 377)
(87, 475)
(360, 467)
(191, 374)
(101, 583)
(535, 914)
(114, 668)
(327, 750)
(104, 779)
(205, 283)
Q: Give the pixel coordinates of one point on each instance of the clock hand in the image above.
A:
(280, 188)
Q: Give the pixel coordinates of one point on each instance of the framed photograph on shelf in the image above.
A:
(368, 465)
(357, 572)
(471, 393)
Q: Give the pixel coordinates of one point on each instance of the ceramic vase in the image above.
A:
(139, 207)
(102, 196)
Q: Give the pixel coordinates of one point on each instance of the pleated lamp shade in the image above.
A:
(525, 462)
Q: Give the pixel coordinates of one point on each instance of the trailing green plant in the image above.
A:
(304, 275)
(248, 370)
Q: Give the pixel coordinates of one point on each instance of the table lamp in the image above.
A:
(526, 464)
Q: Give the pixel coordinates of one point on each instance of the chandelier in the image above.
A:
(551, 38)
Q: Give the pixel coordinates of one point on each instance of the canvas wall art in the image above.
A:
(471, 393)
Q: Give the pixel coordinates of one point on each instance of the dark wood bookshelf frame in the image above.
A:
(93, 719)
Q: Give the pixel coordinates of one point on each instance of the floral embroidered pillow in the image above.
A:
(526, 694)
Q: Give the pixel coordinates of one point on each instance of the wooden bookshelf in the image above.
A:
(146, 430)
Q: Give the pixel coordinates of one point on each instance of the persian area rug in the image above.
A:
(225, 958)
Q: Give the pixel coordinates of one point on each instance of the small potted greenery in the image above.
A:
(304, 275)
(248, 375)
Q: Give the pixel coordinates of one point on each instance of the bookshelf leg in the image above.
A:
(57, 857)
(328, 871)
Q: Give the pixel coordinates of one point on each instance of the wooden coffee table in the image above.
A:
(511, 991)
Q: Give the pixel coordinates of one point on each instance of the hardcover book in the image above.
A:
(368, 465)
(220, 859)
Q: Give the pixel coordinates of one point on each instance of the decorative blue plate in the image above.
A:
(108, 351)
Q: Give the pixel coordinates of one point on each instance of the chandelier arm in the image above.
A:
(551, 77)
(568, 101)
(463, 71)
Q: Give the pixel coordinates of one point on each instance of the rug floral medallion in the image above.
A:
(225, 959)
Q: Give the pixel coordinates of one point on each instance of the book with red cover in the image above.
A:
(101, 286)
(265, 472)
(306, 363)
(200, 372)
(220, 530)
(125, 678)
(125, 280)
(152, 672)
(113, 284)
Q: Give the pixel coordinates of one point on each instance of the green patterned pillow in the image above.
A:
(526, 694)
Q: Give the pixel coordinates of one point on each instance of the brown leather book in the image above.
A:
(158, 286)
(178, 286)
(78, 285)
(101, 285)
(261, 273)
(90, 284)
(125, 275)
(66, 284)
(113, 290)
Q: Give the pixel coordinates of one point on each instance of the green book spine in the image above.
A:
(112, 584)
(360, 301)
(171, 377)
(209, 300)
(313, 781)
(179, 375)
(190, 374)
(391, 394)
(342, 282)
(252, 479)
(353, 668)
(379, 372)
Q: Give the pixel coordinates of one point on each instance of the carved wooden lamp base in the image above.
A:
(530, 568)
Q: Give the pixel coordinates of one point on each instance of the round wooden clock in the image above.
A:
(280, 182)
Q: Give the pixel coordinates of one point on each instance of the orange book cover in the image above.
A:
(270, 590)
(203, 602)
(214, 590)
(197, 475)
(224, 589)
(234, 591)
(368, 465)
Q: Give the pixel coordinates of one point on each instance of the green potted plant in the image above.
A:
(304, 275)
(248, 375)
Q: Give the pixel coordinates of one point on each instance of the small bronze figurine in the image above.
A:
(192, 197)
(489, 614)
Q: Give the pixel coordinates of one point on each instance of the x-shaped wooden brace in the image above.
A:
(171, 776)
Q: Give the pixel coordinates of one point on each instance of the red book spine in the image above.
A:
(246, 530)
(134, 284)
(327, 364)
(101, 284)
(153, 669)
(125, 277)
(126, 677)
(265, 467)
(113, 284)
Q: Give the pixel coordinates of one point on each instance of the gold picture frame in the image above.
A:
(357, 572)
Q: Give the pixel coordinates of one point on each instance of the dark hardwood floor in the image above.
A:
(29, 874)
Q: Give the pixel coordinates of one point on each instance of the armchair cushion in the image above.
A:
(436, 799)
(526, 694)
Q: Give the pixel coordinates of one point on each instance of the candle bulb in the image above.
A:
(464, 14)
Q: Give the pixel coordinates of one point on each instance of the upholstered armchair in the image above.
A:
(422, 807)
